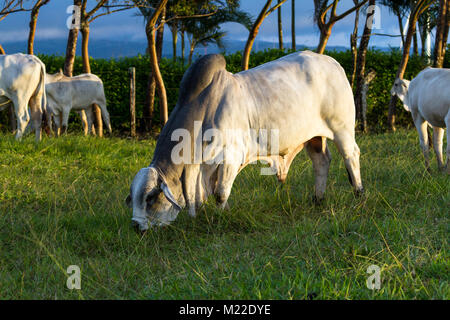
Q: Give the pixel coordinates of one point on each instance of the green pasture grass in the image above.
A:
(62, 203)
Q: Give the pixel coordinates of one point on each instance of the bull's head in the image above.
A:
(400, 89)
(152, 200)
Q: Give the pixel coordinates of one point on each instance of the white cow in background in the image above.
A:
(74, 93)
(22, 83)
(427, 97)
(303, 99)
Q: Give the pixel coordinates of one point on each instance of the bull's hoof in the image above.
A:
(317, 201)
(360, 192)
(137, 229)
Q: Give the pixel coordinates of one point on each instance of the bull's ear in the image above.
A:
(169, 195)
(128, 201)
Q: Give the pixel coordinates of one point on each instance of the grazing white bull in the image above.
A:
(427, 97)
(75, 93)
(302, 99)
(22, 83)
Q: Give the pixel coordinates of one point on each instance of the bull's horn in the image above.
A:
(169, 195)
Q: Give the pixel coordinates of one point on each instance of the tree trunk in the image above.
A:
(401, 69)
(280, 28)
(415, 45)
(174, 30)
(32, 32)
(151, 31)
(85, 32)
(149, 106)
(191, 52)
(85, 49)
(70, 52)
(360, 72)
(446, 30)
(252, 35)
(163, 108)
(160, 37)
(71, 47)
(2, 51)
(400, 26)
(183, 46)
(442, 30)
(293, 25)
(325, 34)
(353, 45)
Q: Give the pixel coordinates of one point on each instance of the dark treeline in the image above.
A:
(115, 77)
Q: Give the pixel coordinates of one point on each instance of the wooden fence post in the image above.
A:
(132, 74)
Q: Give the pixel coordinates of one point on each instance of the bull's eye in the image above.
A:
(150, 200)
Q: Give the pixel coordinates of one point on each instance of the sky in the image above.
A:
(128, 25)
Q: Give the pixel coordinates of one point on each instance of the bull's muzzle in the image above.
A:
(139, 227)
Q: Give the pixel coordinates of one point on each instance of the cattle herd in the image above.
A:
(224, 121)
(24, 82)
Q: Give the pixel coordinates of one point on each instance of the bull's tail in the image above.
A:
(104, 111)
(37, 114)
(41, 85)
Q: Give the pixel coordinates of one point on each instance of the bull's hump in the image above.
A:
(199, 76)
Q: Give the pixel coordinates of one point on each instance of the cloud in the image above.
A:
(41, 34)
(130, 32)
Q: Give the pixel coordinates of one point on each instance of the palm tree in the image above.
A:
(207, 29)
(427, 22)
(400, 8)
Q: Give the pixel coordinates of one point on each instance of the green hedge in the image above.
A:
(114, 74)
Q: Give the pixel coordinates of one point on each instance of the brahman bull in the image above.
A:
(427, 97)
(74, 93)
(22, 83)
(302, 99)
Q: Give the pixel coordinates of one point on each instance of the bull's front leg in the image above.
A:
(421, 126)
(84, 122)
(321, 158)
(65, 119)
(89, 122)
(225, 178)
(438, 137)
(36, 115)
(190, 177)
(57, 120)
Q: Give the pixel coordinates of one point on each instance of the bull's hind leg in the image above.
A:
(438, 136)
(89, 121)
(57, 119)
(65, 120)
(321, 158)
(225, 178)
(22, 116)
(447, 123)
(421, 126)
(105, 116)
(36, 115)
(346, 144)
